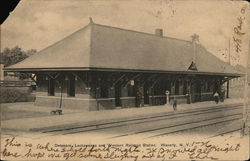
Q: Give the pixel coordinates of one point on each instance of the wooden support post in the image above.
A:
(60, 104)
(227, 95)
(189, 93)
(151, 94)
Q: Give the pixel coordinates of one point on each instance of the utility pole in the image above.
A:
(229, 56)
(229, 61)
(195, 39)
(246, 99)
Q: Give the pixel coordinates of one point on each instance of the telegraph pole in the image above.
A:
(229, 61)
(229, 56)
(246, 99)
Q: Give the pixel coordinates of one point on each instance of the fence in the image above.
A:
(17, 91)
(4, 83)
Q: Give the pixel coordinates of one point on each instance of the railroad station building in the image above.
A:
(103, 67)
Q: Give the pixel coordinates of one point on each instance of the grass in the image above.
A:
(16, 94)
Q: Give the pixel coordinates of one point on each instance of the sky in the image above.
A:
(36, 24)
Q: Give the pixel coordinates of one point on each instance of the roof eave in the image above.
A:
(119, 70)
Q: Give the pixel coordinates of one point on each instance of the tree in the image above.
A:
(15, 55)
(30, 52)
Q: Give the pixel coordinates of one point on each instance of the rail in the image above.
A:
(118, 123)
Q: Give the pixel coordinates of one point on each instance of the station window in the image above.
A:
(104, 91)
(177, 86)
(184, 87)
(51, 87)
(209, 87)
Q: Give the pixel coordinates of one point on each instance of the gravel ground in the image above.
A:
(8, 113)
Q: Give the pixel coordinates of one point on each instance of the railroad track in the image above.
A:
(159, 125)
(199, 124)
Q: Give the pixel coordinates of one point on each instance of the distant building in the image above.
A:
(1, 68)
(102, 67)
(240, 81)
(1, 72)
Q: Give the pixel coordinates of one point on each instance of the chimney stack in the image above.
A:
(159, 32)
(195, 40)
(91, 20)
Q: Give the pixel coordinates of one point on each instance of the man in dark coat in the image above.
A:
(175, 104)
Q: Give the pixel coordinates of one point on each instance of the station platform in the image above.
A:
(79, 118)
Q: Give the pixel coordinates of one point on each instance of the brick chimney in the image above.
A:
(159, 32)
(195, 40)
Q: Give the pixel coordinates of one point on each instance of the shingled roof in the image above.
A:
(103, 47)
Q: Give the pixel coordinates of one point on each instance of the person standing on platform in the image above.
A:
(222, 97)
(175, 104)
(139, 97)
(216, 97)
(188, 97)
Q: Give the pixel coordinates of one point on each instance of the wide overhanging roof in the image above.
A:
(105, 48)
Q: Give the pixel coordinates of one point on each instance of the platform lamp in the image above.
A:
(60, 105)
(167, 96)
